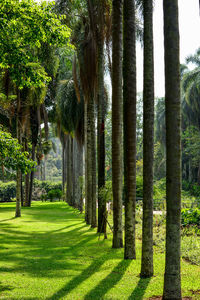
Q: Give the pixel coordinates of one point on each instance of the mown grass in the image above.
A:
(49, 253)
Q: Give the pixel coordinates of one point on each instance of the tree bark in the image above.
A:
(148, 142)
(69, 171)
(172, 278)
(117, 122)
(93, 165)
(101, 140)
(31, 178)
(129, 97)
(85, 158)
(18, 175)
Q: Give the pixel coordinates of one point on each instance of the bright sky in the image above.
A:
(189, 22)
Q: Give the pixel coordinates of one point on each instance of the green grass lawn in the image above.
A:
(49, 253)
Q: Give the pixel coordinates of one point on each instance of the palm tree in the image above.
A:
(172, 278)
(148, 142)
(117, 121)
(86, 51)
(129, 97)
(71, 115)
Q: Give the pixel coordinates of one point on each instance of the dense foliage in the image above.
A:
(11, 154)
(7, 191)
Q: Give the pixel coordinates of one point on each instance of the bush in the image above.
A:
(54, 194)
(48, 185)
(7, 191)
(190, 217)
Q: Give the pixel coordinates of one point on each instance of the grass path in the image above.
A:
(50, 253)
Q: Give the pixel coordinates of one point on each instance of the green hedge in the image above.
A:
(7, 191)
(48, 185)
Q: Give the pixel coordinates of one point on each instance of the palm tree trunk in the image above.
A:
(27, 177)
(89, 163)
(129, 95)
(117, 122)
(22, 191)
(63, 165)
(93, 165)
(172, 278)
(18, 175)
(148, 142)
(101, 141)
(85, 156)
(69, 172)
(31, 178)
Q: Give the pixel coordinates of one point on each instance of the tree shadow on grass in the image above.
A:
(139, 291)
(48, 252)
(5, 288)
(110, 281)
(7, 219)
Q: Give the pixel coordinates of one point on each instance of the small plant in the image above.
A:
(190, 217)
(106, 192)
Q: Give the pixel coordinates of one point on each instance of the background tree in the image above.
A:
(172, 279)
(117, 12)
(148, 142)
(129, 98)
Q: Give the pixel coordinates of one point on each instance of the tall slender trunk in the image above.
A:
(89, 163)
(69, 171)
(22, 191)
(148, 142)
(117, 122)
(172, 278)
(129, 95)
(27, 176)
(74, 177)
(18, 175)
(101, 140)
(85, 164)
(93, 165)
(31, 177)
(78, 173)
(80, 177)
(63, 165)
(66, 169)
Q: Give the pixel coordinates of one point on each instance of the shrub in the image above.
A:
(48, 185)
(54, 194)
(7, 191)
(190, 217)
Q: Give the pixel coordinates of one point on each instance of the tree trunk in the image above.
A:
(85, 165)
(18, 175)
(129, 95)
(117, 122)
(31, 178)
(78, 173)
(172, 279)
(101, 141)
(63, 165)
(69, 171)
(22, 192)
(18, 194)
(148, 142)
(27, 177)
(93, 165)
